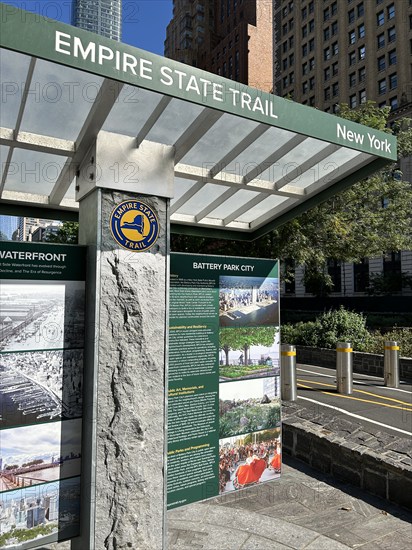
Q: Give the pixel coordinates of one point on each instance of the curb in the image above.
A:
(375, 461)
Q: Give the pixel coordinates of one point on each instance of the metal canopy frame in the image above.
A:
(245, 161)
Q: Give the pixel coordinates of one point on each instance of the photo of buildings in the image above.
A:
(37, 514)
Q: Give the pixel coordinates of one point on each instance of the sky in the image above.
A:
(144, 21)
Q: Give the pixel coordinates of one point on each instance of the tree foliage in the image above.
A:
(368, 219)
(243, 338)
(67, 233)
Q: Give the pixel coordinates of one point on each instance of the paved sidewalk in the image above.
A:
(302, 510)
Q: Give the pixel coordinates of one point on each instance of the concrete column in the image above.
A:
(123, 498)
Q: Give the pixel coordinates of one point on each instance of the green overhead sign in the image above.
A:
(67, 45)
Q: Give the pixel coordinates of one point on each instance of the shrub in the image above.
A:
(328, 329)
(402, 336)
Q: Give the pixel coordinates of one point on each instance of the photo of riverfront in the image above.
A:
(40, 515)
(31, 455)
(38, 386)
(41, 315)
(248, 301)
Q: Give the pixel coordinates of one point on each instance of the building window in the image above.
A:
(291, 59)
(361, 31)
(381, 63)
(352, 79)
(326, 54)
(360, 9)
(334, 28)
(361, 275)
(291, 78)
(291, 42)
(304, 13)
(392, 270)
(304, 31)
(352, 37)
(285, 82)
(311, 6)
(381, 40)
(352, 101)
(326, 14)
(335, 273)
(392, 57)
(285, 46)
(335, 68)
(304, 50)
(382, 86)
(326, 34)
(380, 18)
(311, 83)
(326, 74)
(311, 44)
(351, 16)
(335, 48)
(311, 25)
(334, 8)
(362, 96)
(305, 68)
(391, 34)
(335, 89)
(285, 29)
(312, 101)
(305, 87)
(285, 64)
(391, 11)
(393, 81)
(352, 58)
(311, 64)
(362, 52)
(393, 102)
(291, 25)
(326, 94)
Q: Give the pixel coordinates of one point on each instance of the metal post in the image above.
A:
(391, 364)
(288, 372)
(344, 362)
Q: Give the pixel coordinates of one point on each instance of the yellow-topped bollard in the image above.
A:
(288, 372)
(344, 368)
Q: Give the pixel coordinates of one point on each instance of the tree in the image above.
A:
(67, 233)
(368, 219)
(243, 338)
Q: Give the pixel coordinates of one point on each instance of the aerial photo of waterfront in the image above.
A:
(248, 301)
(41, 315)
(40, 514)
(31, 455)
(38, 386)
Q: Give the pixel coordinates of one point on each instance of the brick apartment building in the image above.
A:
(347, 51)
(232, 38)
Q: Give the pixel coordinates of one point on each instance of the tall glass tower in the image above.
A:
(103, 17)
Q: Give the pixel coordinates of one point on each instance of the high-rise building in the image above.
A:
(103, 17)
(8, 224)
(347, 51)
(232, 38)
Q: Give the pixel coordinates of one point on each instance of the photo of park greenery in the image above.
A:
(248, 353)
(247, 406)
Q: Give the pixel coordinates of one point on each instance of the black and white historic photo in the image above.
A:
(38, 315)
(40, 386)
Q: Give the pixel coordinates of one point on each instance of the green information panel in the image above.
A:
(224, 387)
(42, 290)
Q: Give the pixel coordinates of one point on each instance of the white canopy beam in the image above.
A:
(105, 99)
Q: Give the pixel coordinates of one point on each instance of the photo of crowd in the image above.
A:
(248, 301)
(248, 460)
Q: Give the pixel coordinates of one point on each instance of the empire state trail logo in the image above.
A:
(134, 225)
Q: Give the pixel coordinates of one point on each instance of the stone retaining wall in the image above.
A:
(363, 363)
(369, 458)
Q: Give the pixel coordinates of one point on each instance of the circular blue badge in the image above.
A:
(134, 225)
